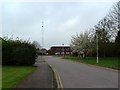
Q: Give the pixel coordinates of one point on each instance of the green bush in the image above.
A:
(6, 52)
(18, 52)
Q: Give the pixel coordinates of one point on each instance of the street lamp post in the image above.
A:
(97, 45)
(42, 37)
(42, 34)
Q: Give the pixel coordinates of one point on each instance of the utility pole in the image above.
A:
(97, 44)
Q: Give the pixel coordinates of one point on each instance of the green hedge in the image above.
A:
(18, 52)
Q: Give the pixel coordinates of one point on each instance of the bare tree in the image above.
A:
(37, 45)
(111, 22)
(115, 12)
(114, 17)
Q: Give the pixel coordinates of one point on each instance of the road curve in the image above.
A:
(77, 75)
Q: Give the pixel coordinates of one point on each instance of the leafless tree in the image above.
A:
(111, 22)
(115, 12)
(37, 45)
(114, 17)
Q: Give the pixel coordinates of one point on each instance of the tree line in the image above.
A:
(106, 31)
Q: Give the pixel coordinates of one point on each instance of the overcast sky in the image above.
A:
(61, 19)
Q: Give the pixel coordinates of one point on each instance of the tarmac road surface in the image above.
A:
(77, 75)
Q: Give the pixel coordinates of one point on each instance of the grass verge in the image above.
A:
(109, 62)
(11, 75)
(54, 81)
(0, 77)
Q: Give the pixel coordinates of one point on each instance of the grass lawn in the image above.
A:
(0, 77)
(110, 62)
(11, 75)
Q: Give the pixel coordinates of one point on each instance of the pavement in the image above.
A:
(78, 75)
(42, 77)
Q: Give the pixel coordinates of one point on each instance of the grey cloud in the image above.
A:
(24, 19)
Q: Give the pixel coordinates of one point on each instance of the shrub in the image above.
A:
(74, 54)
(18, 52)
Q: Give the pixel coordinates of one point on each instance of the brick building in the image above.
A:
(60, 50)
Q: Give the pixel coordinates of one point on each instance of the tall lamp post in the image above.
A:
(97, 45)
(42, 36)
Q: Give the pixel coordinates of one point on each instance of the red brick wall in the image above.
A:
(54, 50)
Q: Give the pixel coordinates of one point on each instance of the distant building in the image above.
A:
(43, 51)
(60, 50)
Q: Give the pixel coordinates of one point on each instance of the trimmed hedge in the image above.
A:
(18, 52)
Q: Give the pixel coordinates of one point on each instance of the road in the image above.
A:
(77, 75)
